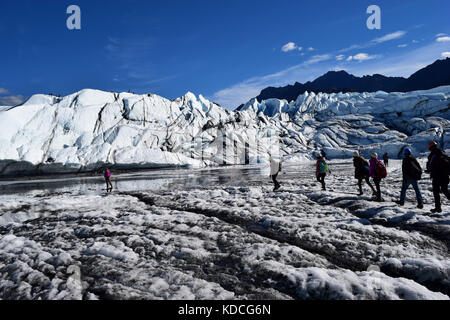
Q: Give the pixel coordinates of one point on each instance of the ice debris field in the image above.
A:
(230, 238)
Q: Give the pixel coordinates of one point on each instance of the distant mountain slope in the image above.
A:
(435, 75)
(432, 76)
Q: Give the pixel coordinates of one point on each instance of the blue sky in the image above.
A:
(225, 50)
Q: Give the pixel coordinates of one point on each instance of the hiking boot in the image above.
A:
(400, 203)
(420, 206)
(436, 210)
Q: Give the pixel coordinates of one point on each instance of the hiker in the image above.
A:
(438, 166)
(275, 169)
(412, 173)
(386, 159)
(107, 175)
(377, 171)
(362, 172)
(321, 170)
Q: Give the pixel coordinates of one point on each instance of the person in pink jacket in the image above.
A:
(107, 175)
(373, 173)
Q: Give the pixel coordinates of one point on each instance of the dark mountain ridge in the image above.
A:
(435, 75)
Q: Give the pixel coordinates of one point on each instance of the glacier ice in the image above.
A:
(90, 128)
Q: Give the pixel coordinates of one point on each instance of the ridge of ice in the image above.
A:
(90, 128)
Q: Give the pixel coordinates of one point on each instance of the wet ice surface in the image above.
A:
(221, 234)
(132, 181)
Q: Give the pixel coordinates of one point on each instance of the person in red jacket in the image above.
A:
(374, 162)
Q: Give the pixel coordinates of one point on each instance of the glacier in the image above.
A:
(90, 129)
(217, 233)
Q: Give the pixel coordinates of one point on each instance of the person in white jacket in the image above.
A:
(275, 168)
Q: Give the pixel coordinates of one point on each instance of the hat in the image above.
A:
(375, 155)
(432, 144)
(407, 151)
(356, 154)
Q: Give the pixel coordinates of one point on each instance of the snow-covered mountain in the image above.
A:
(91, 128)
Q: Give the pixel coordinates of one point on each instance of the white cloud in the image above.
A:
(353, 47)
(445, 54)
(11, 100)
(402, 45)
(289, 47)
(373, 42)
(390, 36)
(440, 35)
(400, 65)
(361, 57)
(311, 49)
(317, 58)
(415, 41)
(443, 39)
(340, 57)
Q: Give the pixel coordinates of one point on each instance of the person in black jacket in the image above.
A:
(362, 172)
(412, 173)
(439, 176)
(386, 159)
(321, 170)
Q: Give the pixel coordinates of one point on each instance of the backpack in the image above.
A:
(323, 167)
(365, 168)
(380, 170)
(415, 171)
(444, 164)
